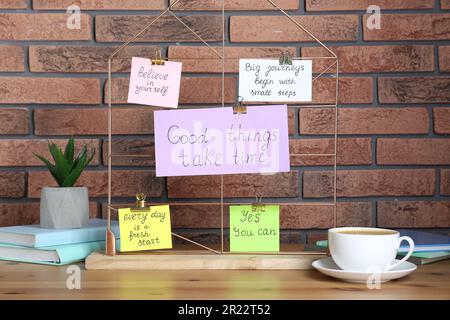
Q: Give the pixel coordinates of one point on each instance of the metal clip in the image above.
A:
(239, 107)
(159, 61)
(140, 202)
(286, 58)
(258, 205)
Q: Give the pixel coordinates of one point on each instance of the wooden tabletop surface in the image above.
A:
(28, 281)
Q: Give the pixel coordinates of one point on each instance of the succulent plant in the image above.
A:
(67, 167)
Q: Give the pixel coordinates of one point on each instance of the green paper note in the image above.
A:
(254, 229)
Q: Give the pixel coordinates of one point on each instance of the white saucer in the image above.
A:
(328, 267)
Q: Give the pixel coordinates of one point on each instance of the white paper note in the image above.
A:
(268, 81)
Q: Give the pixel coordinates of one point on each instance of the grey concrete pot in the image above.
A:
(64, 208)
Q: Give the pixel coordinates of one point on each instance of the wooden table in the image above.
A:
(28, 281)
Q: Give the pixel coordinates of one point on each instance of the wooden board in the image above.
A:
(32, 281)
(198, 260)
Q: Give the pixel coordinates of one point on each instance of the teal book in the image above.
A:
(426, 257)
(428, 254)
(36, 237)
(53, 255)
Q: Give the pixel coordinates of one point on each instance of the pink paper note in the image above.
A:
(154, 85)
(215, 141)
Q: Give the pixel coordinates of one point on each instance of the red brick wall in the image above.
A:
(394, 118)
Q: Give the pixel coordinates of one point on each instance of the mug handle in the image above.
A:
(410, 252)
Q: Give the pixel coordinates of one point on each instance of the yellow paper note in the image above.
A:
(145, 229)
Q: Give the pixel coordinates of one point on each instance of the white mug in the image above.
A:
(366, 249)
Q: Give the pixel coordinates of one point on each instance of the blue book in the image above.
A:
(423, 241)
(36, 237)
(53, 255)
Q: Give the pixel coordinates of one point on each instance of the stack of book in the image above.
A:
(34, 244)
(428, 247)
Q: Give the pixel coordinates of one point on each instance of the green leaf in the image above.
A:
(67, 168)
(79, 156)
(60, 162)
(69, 152)
(90, 158)
(70, 180)
(51, 168)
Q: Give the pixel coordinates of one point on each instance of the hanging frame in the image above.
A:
(110, 243)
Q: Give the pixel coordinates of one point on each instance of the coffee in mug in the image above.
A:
(367, 232)
(366, 249)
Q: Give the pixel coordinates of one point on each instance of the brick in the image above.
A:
(168, 29)
(42, 26)
(214, 5)
(354, 214)
(357, 59)
(17, 153)
(351, 90)
(289, 237)
(413, 151)
(85, 58)
(351, 151)
(13, 4)
(125, 183)
(239, 186)
(210, 238)
(322, 217)
(343, 5)
(50, 90)
(413, 214)
(445, 4)
(12, 184)
(122, 149)
(444, 59)
(441, 118)
(198, 216)
(99, 4)
(409, 27)
(201, 59)
(366, 183)
(92, 121)
(192, 90)
(14, 121)
(364, 121)
(207, 90)
(11, 58)
(281, 29)
(313, 237)
(445, 182)
(414, 89)
(13, 214)
(320, 120)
